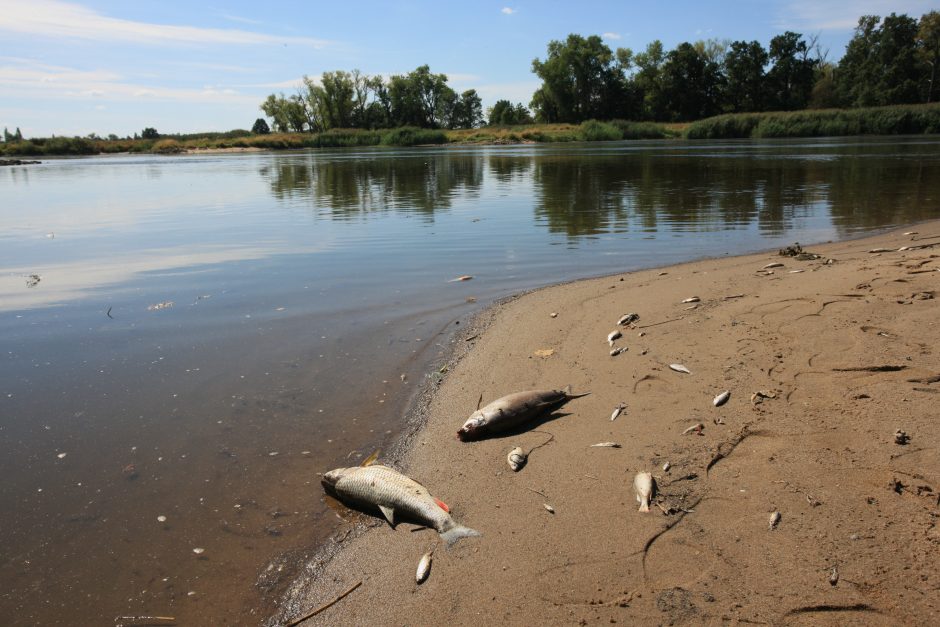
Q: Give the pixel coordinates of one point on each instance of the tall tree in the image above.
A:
(468, 110)
(744, 72)
(928, 47)
(260, 127)
(881, 65)
(691, 84)
(648, 80)
(791, 78)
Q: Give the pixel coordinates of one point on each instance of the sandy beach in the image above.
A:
(826, 357)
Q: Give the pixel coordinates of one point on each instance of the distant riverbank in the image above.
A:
(893, 120)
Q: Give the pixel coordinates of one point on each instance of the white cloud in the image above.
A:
(52, 18)
(611, 36)
(838, 15)
(508, 11)
(513, 92)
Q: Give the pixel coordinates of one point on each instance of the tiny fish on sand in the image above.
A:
(517, 459)
(548, 508)
(696, 428)
(692, 299)
(613, 335)
(512, 411)
(721, 399)
(629, 318)
(616, 351)
(645, 487)
(775, 264)
(774, 521)
(424, 568)
(617, 411)
(394, 494)
(605, 445)
(680, 368)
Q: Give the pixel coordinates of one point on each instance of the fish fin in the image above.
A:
(644, 507)
(457, 532)
(389, 514)
(442, 505)
(371, 459)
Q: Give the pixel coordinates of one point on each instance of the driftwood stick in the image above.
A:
(297, 621)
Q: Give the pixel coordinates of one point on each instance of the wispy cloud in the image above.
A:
(611, 35)
(508, 11)
(52, 18)
(838, 15)
(514, 92)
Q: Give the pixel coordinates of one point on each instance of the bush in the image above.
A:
(167, 147)
(413, 136)
(640, 130)
(594, 131)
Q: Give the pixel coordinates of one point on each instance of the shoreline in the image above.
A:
(617, 580)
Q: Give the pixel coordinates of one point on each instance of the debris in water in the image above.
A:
(161, 518)
(33, 280)
(774, 520)
(464, 277)
(199, 550)
(62, 455)
(680, 368)
(158, 306)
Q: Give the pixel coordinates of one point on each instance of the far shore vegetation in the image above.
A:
(884, 84)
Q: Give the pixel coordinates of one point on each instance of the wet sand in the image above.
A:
(846, 354)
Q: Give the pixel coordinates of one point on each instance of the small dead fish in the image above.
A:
(548, 508)
(424, 568)
(554, 314)
(775, 264)
(910, 233)
(680, 368)
(666, 467)
(387, 490)
(616, 351)
(721, 399)
(774, 520)
(629, 318)
(833, 576)
(617, 411)
(645, 487)
(692, 299)
(513, 410)
(696, 428)
(517, 459)
(796, 271)
(900, 437)
(881, 250)
(613, 335)
(605, 445)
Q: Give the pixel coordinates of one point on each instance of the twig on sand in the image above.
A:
(144, 620)
(887, 368)
(656, 324)
(536, 491)
(297, 621)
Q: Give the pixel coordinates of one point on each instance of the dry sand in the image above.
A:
(821, 451)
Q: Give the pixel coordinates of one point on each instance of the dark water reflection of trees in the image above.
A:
(580, 194)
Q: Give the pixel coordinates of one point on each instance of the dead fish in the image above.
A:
(424, 568)
(629, 318)
(696, 428)
(680, 368)
(616, 351)
(833, 576)
(881, 250)
(692, 299)
(548, 508)
(721, 399)
(900, 437)
(513, 410)
(666, 467)
(617, 411)
(517, 459)
(796, 271)
(554, 314)
(910, 233)
(395, 495)
(775, 264)
(605, 445)
(774, 520)
(645, 487)
(613, 335)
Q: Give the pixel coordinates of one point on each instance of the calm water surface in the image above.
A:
(296, 289)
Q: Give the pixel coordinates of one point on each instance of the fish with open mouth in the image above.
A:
(397, 496)
(513, 410)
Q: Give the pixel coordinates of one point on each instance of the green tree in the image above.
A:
(580, 81)
(149, 133)
(260, 127)
(468, 110)
(7, 135)
(928, 48)
(506, 114)
(791, 79)
(744, 73)
(882, 64)
(691, 84)
(420, 98)
(648, 80)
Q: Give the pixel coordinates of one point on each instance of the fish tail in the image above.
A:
(567, 392)
(457, 532)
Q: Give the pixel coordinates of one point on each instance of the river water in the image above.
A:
(186, 341)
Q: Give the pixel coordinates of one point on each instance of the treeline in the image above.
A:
(355, 100)
(887, 62)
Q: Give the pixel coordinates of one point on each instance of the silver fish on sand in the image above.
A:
(666, 467)
(680, 368)
(397, 496)
(721, 399)
(605, 445)
(629, 318)
(517, 459)
(773, 521)
(691, 299)
(424, 568)
(775, 264)
(645, 487)
(613, 335)
(616, 351)
(548, 508)
(617, 411)
(512, 411)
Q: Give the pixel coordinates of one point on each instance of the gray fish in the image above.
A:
(424, 568)
(396, 496)
(513, 410)
(721, 399)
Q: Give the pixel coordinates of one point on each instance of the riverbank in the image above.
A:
(842, 355)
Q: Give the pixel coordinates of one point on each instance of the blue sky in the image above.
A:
(112, 66)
